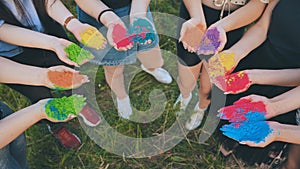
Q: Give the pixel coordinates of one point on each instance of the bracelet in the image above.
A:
(102, 12)
(68, 20)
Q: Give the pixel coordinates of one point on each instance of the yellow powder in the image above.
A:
(227, 60)
(92, 38)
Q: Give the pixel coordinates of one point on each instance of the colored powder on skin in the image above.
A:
(93, 38)
(64, 80)
(215, 67)
(233, 83)
(210, 41)
(244, 111)
(247, 131)
(192, 37)
(227, 61)
(142, 30)
(77, 54)
(62, 108)
(120, 36)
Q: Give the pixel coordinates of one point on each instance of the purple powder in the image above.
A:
(210, 41)
(247, 131)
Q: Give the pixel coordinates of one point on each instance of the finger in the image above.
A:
(185, 46)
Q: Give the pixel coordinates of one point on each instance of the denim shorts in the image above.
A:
(110, 56)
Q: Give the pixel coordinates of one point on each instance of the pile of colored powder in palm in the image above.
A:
(120, 36)
(233, 83)
(210, 41)
(64, 80)
(192, 36)
(62, 108)
(77, 54)
(142, 30)
(247, 131)
(241, 111)
(93, 38)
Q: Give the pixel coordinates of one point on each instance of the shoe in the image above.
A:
(67, 139)
(124, 107)
(159, 74)
(89, 116)
(183, 102)
(196, 118)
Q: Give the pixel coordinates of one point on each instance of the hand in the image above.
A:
(118, 37)
(142, 30)
(191, 34)
(234, 83)
(90, 36)
(77, 54)
(58, 46)
(62, 109)
(274, 126)
(222, 64)
(255, 132)
(213, 41)
(63, 78)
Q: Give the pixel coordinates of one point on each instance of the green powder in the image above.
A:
(77, 54)
(61, 108)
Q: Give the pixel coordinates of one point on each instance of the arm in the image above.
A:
(15, 124)
(256, 35)
(139, 7)
(32, 39)
(242, 16)
(15, 73)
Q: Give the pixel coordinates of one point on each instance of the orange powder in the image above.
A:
(64, 79)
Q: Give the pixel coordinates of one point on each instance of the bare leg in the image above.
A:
(151, 59)
(187, 78)
(205, 87)
(115, 79)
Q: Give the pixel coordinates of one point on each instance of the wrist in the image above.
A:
(252, 75)
(39, 109)
(73, 24)
(109, 18)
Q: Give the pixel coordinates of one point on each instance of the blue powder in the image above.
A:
(247, 131)
(255, 116)
(142, 30)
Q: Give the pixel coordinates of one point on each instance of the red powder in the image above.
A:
(120, 36)
(64, 79)
(233, 83)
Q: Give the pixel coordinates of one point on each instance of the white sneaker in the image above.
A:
(159, 74)
(196, 118)
(124, 107)
(183, 101)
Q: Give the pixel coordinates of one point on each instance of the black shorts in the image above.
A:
(211, 16)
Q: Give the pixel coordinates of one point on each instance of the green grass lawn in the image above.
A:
(45, 152)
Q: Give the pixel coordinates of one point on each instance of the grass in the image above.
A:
(45, 152)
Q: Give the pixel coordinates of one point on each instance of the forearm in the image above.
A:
(15, 124)
(139, 7)
(57, 11)
(195, 9)
(288, 133)
(287, 101)
(94, 8)
(26, 38)
(15, 73)
(283, 77)
(256, 35)
(242, 16)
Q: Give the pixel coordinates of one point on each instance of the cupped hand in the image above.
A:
(118, 37)
(191, 34)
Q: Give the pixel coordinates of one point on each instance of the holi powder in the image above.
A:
(233, 83)
(227, 61)
(77, 54)
(247, 131)
(210, 41)
(142, 30)
(221, 64)
(120, 36)
(193, 36)
(93, 38)
(64, 80)
(62, 108)
(244, 111)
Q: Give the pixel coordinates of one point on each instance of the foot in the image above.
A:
(124, 107)
(196, 118)
(66, 138)
(183, 101)
(89, 116)
(159, 74)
